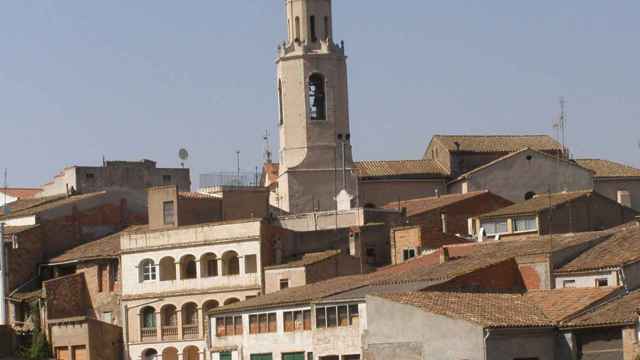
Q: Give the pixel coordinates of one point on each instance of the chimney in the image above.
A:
(443, 217)
(624, 198)
(444, 255)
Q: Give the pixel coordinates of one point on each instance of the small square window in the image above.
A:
(284, 284)
(408, 254)
(604, 282)
(166, 179)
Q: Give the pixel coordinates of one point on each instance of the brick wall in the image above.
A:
(22, 262)
(198, 211)
(67, 296)
(501, 276)
(340, 265)
(103, 291)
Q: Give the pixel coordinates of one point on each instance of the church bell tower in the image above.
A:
(315, 141)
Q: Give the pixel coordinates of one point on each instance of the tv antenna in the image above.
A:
(183, 154)
(267, 147)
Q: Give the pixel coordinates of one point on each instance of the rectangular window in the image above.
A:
(293, 356)
(306, 319)
(100, 278)
(494, 227)
(261, 356)
(262, 323)
(114, 271)
(408, 254)
(228, 326)
(250, 264)
(603, 282)
(354, 315)
(343, 315)
(284, 284)
(168, 212)
(90, 176)
(312, 26)
(289, 326)
(166, 179)
(525, 224)
(321, 318)
(568, 283)
(332, 317)
(225, 356)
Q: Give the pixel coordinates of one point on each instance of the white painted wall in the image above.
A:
(588, 280)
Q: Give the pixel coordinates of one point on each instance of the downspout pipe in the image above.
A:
(487, 333)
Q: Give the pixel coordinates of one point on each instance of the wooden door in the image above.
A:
(80, 353)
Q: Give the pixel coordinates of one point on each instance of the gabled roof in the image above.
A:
(497, 143)
(560, 304)
(103, 248)
(623, 247)
(28, 207)
(491, 310)
(423, 205)
(539, 308)
(20, 193)
(424, 270)
(621, 311)
(400, 169)
(512, 155)
(607, 168)
(538, 203)
(307, 259)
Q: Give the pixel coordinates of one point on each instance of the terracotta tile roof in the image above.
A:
(622, 247)
(621, 311)
(28, 207)
(307, 259)
(497, 143)
(538, 203)
(20, 193)
(400, 168)
(423, 205)
(425, 269)
(103, 248)
(559, 304)
(606, 168)
(491, 310)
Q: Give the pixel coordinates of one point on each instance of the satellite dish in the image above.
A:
(183, 154)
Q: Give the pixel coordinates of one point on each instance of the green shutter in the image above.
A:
(225, 356)
(261, 357)
(293, 356)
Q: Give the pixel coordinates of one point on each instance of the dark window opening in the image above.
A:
(281, 111)
(530, 195)
(284, 284)
(168, 212)
(312, 28)
(317, 101)
(297, 39)
(326, 28)
(602, 282)
(90, 176)
(408, 254)
(166, 179)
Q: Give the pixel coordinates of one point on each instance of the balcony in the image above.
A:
(190, 332)
(169, 333)
(149, 334)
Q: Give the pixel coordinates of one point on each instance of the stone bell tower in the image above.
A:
(315, 140)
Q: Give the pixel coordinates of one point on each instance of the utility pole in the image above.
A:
(3, 279)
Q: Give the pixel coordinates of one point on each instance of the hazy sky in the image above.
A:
(140, 79)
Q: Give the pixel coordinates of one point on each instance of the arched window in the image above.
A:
(147, 270)
(230, 263)
(530, 195)
(317, 99)
(167, 269)
(281, 111)
(188, 267)
(210, 305)
(231, 301)
(150, 354)
(297, 39)
(190, 314)
(208, 265)
(312, 28)
(170, 353)
(191, 353)
(148, 317)
(169, 316)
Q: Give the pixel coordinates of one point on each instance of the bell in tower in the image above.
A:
(315, 147)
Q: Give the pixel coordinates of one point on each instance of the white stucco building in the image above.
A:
(172, 277)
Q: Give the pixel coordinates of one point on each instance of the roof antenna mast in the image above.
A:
(267, 148)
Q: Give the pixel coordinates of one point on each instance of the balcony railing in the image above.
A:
(169, 333)
(190, 332)
(149, 334)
